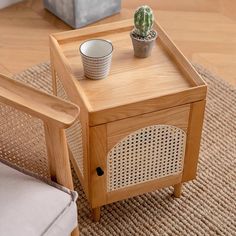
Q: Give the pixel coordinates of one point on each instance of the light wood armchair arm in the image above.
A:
(38, 104)
(56, 114)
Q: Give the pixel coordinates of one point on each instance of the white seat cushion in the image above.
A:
(31, 207)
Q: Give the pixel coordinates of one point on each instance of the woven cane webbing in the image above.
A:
(74, 133)
(149, 153)
(22, 141)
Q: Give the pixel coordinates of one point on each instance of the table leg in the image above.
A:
(177, 190)
(75, 232)
(96, 213)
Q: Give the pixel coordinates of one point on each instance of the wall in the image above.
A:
(5, 3)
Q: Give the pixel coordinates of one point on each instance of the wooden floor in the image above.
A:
(205, 30)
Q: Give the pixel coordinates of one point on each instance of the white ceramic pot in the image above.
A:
(96, 56)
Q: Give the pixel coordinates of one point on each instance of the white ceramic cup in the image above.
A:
(96, 57)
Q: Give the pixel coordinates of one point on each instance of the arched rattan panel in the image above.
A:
(147, 154)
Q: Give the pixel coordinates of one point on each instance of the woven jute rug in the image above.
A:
(207, 205)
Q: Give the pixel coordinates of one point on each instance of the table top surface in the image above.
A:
(131, 79)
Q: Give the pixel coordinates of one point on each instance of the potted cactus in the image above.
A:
(143, 36)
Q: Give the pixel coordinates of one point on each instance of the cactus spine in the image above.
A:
(143, 21)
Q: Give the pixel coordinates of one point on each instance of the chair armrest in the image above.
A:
(38, 104)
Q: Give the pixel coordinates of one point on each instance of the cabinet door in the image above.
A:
(146, 152)
(138, 154)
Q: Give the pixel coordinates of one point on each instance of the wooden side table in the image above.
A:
(140, 128)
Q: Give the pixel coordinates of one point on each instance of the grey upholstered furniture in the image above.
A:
(30, 203)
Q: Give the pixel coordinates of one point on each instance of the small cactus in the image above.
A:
(143, 21)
